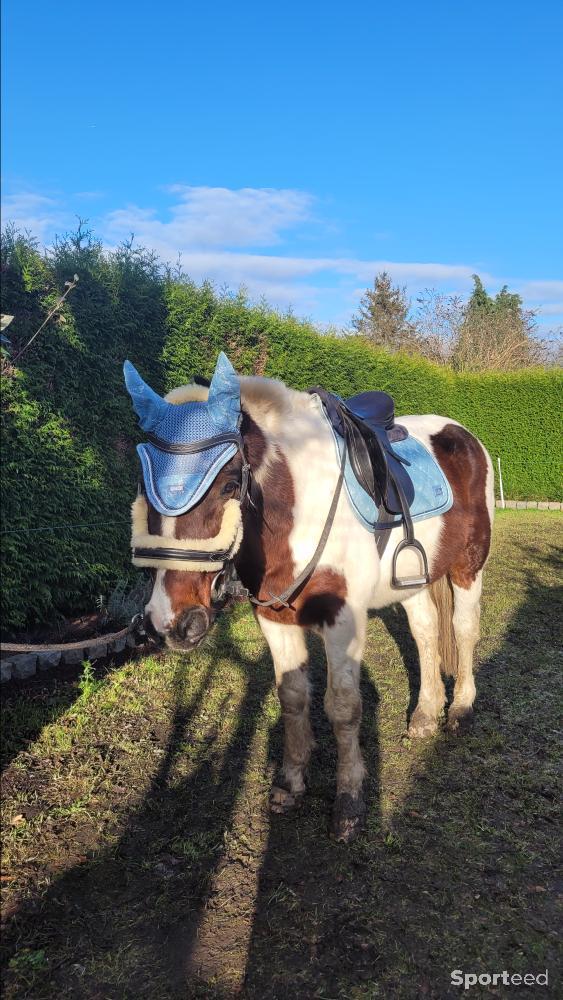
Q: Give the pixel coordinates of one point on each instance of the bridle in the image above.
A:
(157, 551)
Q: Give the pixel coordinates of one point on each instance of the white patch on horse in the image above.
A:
(159, 608)
(289, 653)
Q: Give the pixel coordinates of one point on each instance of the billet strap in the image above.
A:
(283, 599)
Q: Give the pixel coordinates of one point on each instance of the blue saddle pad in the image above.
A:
(432, 491)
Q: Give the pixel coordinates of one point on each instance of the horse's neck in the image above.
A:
(294, 465)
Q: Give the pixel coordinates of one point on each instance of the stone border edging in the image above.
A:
(19, 661)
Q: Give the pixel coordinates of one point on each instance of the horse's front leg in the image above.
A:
(289, 653)
(344, 642)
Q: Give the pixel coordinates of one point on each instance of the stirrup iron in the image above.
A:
(409, 581)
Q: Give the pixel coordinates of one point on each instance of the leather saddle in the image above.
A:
(367, 423)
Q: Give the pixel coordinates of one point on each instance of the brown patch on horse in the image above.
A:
(466, 531)
(322, 598)
(186, 590)
(265, 561)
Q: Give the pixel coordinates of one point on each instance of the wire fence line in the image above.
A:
(64, 527)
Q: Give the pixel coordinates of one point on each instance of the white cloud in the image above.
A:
(34, 212)
(537, 290)
(218, 217)
(218, 232)
(551, 308)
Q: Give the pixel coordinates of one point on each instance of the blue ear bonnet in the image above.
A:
(174, 483)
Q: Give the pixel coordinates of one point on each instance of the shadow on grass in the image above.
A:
(458, 877)
(142, 897)
(308, 889)
(29, 706)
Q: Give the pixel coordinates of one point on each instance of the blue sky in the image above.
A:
(297, 148)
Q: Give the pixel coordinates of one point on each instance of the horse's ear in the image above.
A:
(148, 405)
(224, 394)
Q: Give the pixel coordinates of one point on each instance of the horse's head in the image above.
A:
(187, 522)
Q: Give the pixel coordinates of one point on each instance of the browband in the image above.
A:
(190, 449)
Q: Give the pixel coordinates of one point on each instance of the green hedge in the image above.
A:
(517, 415)
(68, 430)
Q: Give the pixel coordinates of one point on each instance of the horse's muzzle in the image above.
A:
(191, 628)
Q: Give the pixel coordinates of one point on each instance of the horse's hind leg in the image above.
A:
(423, 620)
(344, 642)
(467, 611)
(289, 653)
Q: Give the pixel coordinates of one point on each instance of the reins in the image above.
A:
(283, 598)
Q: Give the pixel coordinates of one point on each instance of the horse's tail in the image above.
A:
(443, 597)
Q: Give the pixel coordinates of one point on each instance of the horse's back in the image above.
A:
(462, 457)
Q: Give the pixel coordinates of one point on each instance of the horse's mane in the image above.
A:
(267, 400)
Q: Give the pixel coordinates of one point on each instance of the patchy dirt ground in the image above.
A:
(140, 860)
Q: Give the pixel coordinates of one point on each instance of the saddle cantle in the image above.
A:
(381, 484)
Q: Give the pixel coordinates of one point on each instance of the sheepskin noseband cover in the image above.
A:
(225, 543)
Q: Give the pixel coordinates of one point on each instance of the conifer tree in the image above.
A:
(383, 314)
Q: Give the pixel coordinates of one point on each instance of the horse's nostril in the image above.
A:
(193, 624)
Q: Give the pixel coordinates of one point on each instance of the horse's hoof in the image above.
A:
(348, 817)
(422, 725)
(460, 719)
(284, 801)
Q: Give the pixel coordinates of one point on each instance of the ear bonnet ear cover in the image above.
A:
(176, 483)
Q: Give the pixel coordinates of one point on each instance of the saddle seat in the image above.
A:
(376, 409)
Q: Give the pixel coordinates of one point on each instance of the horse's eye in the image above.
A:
(229, 488)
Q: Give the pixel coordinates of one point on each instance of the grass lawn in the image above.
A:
(140, 860)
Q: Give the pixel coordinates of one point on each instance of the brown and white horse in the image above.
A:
(290, 450)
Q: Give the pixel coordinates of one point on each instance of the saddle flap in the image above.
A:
(376, 466)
